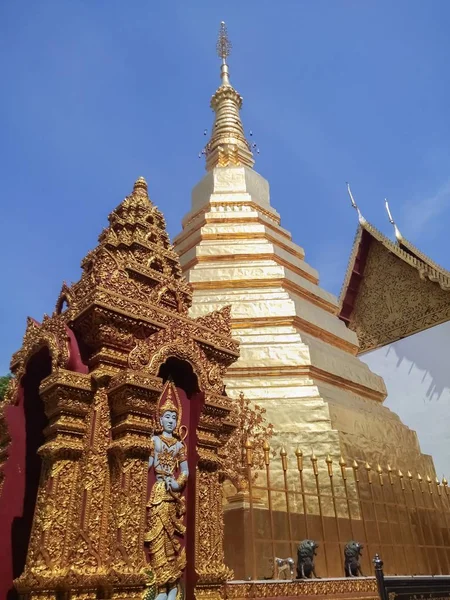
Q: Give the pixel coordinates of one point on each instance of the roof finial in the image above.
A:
(355, 206)
(398, 235)
(223, 48)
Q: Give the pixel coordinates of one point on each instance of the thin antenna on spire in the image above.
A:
(355, 206)
(398, 235)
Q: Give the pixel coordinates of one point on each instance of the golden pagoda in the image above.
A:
(298, 359)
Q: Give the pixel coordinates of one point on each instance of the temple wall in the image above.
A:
(417, 376)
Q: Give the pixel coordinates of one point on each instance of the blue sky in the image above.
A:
(97, 93)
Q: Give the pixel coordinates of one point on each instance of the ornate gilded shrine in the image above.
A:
(79, 415)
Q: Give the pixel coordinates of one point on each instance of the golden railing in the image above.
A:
(403, 517)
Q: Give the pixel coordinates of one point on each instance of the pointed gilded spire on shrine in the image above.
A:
(135, 206)
(140, 186)
(136, 244)
(228, 145)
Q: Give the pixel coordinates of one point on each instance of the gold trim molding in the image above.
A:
(286, 589)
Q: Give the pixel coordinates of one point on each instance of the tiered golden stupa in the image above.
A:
(298, 359)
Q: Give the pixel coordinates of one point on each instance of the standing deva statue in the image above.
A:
(166, 505)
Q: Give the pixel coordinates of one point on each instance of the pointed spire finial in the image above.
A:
(223, 45)
(140, 185)
(398, 235)
(228, 145)
(361, 219)
(223, 48)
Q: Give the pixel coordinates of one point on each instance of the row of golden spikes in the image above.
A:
(343, 466)
(248, 447)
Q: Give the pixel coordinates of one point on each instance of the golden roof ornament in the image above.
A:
(398, 235)
(228, 145)
(361, 219)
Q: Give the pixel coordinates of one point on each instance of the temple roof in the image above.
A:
(391, 289)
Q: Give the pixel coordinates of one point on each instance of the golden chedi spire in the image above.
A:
(296, 355)
(228, 145)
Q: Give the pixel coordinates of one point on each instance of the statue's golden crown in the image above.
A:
(168, 404)
(170, 401)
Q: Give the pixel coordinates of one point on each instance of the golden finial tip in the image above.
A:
(283, 451)
(328, 459)
(298, 452)
(223, 45)
(140, 184)
(355, 464)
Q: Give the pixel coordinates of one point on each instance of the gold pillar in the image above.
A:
(66, 396)
(89, 555)
(209, 528)
(133, 399)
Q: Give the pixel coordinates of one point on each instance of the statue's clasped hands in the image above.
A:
(171, 484)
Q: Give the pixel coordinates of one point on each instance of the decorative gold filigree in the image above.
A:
(278, 589)
(251, 426)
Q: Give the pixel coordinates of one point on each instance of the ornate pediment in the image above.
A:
(391, 290)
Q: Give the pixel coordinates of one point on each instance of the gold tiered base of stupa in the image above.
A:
(298, 359)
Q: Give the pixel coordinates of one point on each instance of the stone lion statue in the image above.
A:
(352, 552)
(305, 559)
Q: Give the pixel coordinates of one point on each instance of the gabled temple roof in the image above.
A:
(389, 277)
